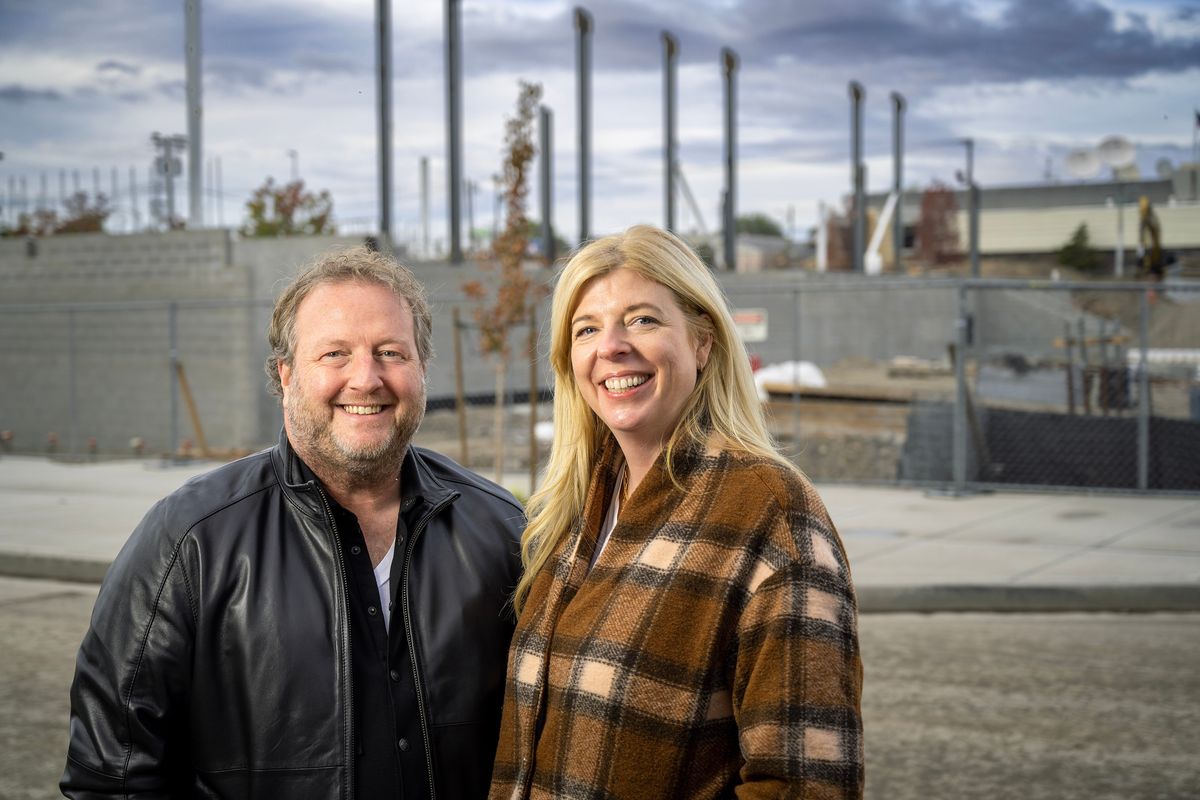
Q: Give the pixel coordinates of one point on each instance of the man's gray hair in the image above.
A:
(355, 265)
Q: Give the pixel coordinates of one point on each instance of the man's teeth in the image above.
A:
(363, 409)
(619, 384)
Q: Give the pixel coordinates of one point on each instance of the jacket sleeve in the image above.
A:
(128, 700)
(798, 673)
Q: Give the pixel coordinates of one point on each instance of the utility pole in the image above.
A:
(294, 157)
(583, 71)
(133, 199)
(546, 180)
(454, 124)
(220, 196)
(972, 208)
(167, 165)
(469, 189)
(898, 177)
(729, 65)
(857, 93)
(425, 207)
(383, 91)
(670, 120)
(195, 80)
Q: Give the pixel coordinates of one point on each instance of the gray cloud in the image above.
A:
(113, 66)
(15, 93)
(1030, 39)
(945, 42)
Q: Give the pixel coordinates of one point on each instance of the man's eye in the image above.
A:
(333, 354)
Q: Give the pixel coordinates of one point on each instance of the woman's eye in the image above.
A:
(584, 331)
(643, 320)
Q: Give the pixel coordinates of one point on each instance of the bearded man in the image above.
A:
(327, 618)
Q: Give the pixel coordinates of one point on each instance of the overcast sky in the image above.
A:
(83, 83)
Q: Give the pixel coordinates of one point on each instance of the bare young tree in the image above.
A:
(510, 299)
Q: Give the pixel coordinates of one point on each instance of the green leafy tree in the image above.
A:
(514, 294)
(1078, 253)
(288, 210)
(759, 224)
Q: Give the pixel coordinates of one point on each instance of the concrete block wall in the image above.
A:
(819, 320)
(118, 369)
(101, 268)
(1027, 322)
(107, 372)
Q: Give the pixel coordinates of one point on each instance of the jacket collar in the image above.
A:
(417, 479)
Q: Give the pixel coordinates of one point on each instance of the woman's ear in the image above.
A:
(704, 346)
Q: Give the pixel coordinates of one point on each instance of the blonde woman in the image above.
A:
(687, 624)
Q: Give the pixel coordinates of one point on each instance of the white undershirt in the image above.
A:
(383, 580)
(610, 519)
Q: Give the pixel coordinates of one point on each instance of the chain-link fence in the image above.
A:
(1092, 386)
(1089, 385)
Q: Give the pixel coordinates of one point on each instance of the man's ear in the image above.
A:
(285, 375)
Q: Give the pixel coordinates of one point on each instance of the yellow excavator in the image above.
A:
(1152, 262)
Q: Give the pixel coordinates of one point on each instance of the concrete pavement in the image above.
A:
(909, 550)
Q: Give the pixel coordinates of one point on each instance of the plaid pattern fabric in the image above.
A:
(712, 650)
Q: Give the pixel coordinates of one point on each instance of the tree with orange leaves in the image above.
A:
(515, 292)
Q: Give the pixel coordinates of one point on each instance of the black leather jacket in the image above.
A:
(218, 663)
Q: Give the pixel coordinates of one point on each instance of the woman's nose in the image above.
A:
(613, 342)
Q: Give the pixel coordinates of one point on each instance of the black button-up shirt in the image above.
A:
(389, 742)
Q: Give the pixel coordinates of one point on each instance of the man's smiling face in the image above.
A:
(354, 393)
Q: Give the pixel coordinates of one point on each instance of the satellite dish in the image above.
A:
(1116, 152)
(1164, 169)
(1083, 163)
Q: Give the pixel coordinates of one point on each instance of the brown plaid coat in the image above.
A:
(712, 651)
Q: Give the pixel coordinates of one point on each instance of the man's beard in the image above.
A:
(310, 429)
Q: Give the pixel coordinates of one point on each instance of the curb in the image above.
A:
(52, 568)
(951, 598)
(1007, 598)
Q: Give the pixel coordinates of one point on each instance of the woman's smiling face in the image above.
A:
(634, 357)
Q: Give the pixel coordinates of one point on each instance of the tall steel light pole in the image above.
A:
(670, 120)
(454, 124)
(194, 78)
(729, 65)
(583, 71)
(972, 208)
(898, 177)
(383, 89)
(546, 179)
(857, 93)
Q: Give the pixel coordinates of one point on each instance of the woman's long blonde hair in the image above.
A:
(724, 401)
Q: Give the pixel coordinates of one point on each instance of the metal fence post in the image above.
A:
(173, 327)
(72, 363)
(960, 392)
(796, 370)
(1143, 428)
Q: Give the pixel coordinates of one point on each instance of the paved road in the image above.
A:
(957, 706)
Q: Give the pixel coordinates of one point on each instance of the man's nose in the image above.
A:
(365, 374)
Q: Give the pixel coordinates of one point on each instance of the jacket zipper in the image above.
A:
(408, 633)
(347, 671)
